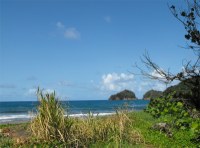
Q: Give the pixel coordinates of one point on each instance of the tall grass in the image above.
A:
(50, 125)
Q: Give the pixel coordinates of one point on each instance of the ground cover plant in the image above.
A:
(50, 128)
(144, 136)
(177, 115)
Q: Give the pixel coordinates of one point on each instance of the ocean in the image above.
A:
(11, 112)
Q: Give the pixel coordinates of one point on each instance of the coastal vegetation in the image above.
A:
(123, 95)
(144, 136)
(52, 127)
(189, 76)
(179, 106)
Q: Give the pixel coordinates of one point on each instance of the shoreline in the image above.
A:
(79, 116)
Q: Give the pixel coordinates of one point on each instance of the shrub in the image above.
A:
(171, 110)
(176, 113)
(195, 130)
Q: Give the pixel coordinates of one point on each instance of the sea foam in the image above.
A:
(27, 117)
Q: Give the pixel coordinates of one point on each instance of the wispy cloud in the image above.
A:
(60, 25)
(68, 32)
(107, 19)
(7, 86)
(72, 33)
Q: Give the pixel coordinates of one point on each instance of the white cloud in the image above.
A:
(107, 19)
(68, 32)
(72, 33)
(116, 82)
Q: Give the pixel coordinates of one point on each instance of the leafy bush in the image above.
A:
(176, 113)
(195, 130)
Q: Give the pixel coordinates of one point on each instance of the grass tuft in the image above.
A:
(50, 123)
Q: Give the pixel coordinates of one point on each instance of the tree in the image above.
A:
(190, 75)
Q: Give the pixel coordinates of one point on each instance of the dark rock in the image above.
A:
(163, 127)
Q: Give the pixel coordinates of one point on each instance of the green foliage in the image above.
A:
(154, 138)
(138, 129)
(189, 17)
(175, 113)
(195, 130)
(5, 142)
(180, 90)
(123, 95)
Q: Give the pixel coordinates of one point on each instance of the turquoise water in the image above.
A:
(18, 111)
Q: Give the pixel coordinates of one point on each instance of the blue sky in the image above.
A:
(85, 49)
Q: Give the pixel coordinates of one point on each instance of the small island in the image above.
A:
(151, 94)
(123, 95)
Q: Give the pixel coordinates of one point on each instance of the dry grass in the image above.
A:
(112, 129)
(50, 125)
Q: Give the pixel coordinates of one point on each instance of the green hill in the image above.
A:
(180, 90)
(151, 94)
